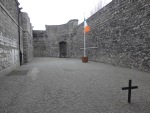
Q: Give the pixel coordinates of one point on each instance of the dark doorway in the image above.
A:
(63, 49)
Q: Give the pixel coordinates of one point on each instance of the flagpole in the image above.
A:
(84, 39)
(86, 29)
(84, 45)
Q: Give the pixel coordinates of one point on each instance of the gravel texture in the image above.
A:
(54, 85)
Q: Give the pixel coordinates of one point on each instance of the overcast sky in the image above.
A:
(55, 12)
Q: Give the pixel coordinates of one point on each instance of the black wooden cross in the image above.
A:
(129, 90)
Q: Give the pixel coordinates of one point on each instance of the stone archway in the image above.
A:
(63, 49)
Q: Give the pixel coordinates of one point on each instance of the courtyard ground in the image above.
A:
(54, 85)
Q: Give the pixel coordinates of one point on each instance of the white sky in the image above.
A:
(55, 12)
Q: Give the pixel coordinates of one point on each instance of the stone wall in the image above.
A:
(27, 37)
(10, 34)
(46, 43)
(11, 7)
(9, 53)
(40, 43)
(120, 32)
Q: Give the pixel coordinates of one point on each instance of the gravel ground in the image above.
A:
(54, 85)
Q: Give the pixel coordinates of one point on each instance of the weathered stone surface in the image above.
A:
(27, 37)
(11, 6)
(9, 36)
(9, 54)
(40, 43)
(46, 43)
(120, 31)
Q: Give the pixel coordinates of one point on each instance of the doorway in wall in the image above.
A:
(63, 49)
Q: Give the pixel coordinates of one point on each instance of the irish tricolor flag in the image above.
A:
(86, 27)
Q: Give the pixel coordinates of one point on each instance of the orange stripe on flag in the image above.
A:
(86, 27)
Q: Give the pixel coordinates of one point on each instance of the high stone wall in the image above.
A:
(121, 31)
(9, 53)
(9, 36)
(11, 7)
(27, 37)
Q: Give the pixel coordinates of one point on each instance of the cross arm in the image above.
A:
(133, 87)
(125, 88)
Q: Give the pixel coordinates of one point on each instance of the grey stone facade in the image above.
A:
(10, 32)
(40, 43)
(47, 43)
(27, 38)
(120, 31)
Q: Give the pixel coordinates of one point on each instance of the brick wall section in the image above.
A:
(27, 37)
